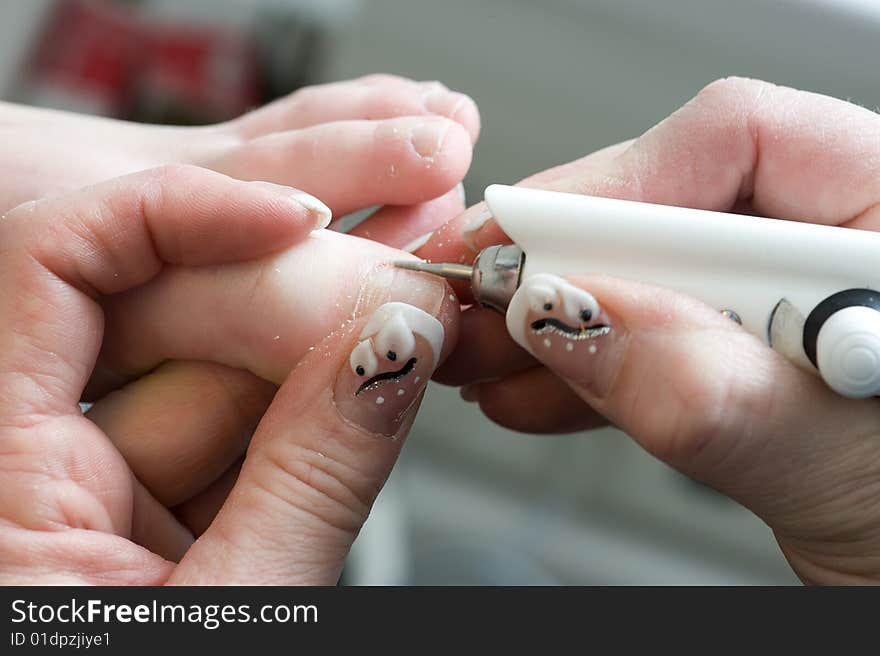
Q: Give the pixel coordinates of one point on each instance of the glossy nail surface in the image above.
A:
(563, 326)
(396, 353)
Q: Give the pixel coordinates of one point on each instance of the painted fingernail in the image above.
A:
(319, 211)
(417, 243)
(380, 386)
(478, 217)
(427, 138)
(563, 326)
(461, 193)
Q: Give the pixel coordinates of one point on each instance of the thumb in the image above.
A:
(324, 450)
(700, 393)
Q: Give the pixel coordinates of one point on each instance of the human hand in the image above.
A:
(686, 383)
(354, 144)
(377, 140)
(84, 500)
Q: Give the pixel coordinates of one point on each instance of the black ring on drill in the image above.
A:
(834, 303)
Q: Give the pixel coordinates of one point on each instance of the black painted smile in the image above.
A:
(557, 327)
(389, 376)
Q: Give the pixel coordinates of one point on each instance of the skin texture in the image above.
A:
(113, 499)
(687, 384)
(380, 140)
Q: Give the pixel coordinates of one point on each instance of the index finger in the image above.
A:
(58, 254)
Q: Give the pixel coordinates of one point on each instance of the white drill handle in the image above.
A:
(731, 262)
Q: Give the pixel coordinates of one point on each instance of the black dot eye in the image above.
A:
(360, 370)
(586, 315)
(548, 306)
(392, 356)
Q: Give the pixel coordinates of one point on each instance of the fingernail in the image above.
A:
(385, 282)
(470, 393)
(479, 215)
(448, 103)
(319, 211)
(563, 326)
(381, 384)
(461, 194)
(417, 243)
(427, 138)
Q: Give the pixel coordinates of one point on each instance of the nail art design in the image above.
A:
(563, 326)
(556, 321)
(399, 349)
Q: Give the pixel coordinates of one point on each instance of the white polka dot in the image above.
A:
(380, 400)
(569, 346)
(417, 379)
(400, 392)
(592, 348)
(547, 342)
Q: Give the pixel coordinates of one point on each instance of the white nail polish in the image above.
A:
(402, 316)
(472, 225)
(319, 210)
(399, 345)
(460, 189)
(476, 222)
(558, 307)
(417, 243)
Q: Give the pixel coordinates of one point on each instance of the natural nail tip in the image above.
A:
(417, 243)
(472, 226)
(427, 139)
(320, 212)
(461, 193)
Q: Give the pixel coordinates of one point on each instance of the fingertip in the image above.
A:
(456, 106)
(443, 151)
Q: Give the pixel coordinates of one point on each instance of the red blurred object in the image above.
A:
(195, 74)
(84, 58)
(104, 59)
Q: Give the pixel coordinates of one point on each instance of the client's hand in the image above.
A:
(116, 496)
(377, 140)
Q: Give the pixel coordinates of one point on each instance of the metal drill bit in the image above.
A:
(446, 269)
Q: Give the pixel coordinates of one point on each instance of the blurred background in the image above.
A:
(471, 503)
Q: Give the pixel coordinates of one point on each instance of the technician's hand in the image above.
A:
(86, 499)
(688, 384)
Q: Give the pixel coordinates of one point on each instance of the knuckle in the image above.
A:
(693, 417)
(174, 174)
(318, 487)
(732, 94)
